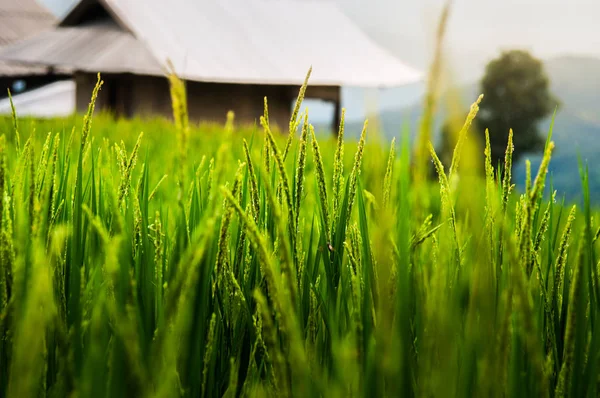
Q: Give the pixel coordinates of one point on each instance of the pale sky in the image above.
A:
(479, 29)
(548, 26)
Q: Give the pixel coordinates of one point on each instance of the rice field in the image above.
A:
(159, 259)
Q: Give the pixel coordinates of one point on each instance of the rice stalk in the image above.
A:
(15, 121)
(387, 181)
(283, 175)
(354, 174)
(294, 120)
(462, 136)
(338, 168)
(321, 182)
(254, 192)
(300, 171)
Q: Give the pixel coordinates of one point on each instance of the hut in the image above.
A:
(20, 20)
(231, 53)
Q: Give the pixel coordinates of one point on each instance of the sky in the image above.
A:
(479, 29)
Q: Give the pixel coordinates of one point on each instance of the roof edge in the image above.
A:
(43, 8)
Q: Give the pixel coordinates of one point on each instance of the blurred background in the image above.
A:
(563, 35)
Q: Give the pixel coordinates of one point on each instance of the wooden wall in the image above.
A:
(132, 95)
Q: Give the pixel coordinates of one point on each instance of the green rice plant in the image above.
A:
(431, 99)
(15, 123)
(260, 270)
(294, 121)
(180, 116)
(301, 165)
(462, 135)
(254, 192)
(338, 167)
(387, 181)
(322, 185)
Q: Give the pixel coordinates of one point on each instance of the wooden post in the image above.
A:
(337, 114)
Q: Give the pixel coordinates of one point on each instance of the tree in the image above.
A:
(516, 96)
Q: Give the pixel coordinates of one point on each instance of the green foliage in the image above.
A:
(516, 96)
(283, 267)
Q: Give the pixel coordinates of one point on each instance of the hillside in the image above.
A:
(576, 81)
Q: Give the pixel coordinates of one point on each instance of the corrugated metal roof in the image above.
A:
(25, 7)
(21, 19)
(261, 41)
(237, 41)
(17, 69)
(98, 47)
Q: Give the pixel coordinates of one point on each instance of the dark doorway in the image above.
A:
(119, 96)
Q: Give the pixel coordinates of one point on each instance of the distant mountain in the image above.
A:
(575, 139)
(575, 80)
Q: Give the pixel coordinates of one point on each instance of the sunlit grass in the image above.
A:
(163, 259)
(285, 276)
